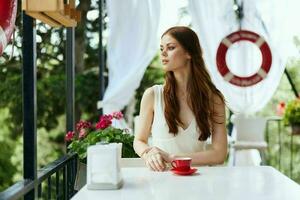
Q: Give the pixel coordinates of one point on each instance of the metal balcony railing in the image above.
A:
(55, 181)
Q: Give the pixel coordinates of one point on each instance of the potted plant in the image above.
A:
(87, 134)
(292, 115)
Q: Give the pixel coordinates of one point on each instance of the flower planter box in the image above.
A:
(80, 180)
(87, 134)
(295, 129)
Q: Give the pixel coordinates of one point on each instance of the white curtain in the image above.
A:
(132, 44)
(215, 19)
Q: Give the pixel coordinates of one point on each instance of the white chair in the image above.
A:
(249, 144)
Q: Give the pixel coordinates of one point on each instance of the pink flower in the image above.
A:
(83, 125)
(104, 122)
(82, 133)
(280, 108)
(117, 115)
(69, 136)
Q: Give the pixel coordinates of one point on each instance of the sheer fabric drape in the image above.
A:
(132, 44)
(213, 20)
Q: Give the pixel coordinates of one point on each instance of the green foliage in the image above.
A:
(86, 94)
(51, 94)
(87, 134)
(51, 74)
(7, 169)
(292, 112)
(279, 136)
(153, 75)
(110, 135)
(284, 91)
(50, 99)
(11, 98)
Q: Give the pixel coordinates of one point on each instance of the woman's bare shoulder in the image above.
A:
(149, 93)
(148, 97)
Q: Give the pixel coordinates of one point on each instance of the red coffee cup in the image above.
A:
(182, 164)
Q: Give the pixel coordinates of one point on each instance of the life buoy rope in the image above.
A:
(259, 42)
(8, 12)
(3, 40)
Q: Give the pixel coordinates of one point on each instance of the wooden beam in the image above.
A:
(53, 12)
(72, 4)
(63, 19)
(42, 5)
(44, 18)
(67, 10)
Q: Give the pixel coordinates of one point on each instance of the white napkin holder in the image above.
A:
(103, 166)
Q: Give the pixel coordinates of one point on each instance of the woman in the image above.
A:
(184, 112)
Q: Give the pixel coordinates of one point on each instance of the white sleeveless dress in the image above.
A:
(186, 141)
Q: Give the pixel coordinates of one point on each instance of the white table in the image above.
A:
(242, 183)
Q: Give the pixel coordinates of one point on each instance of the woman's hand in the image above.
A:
(156, 159)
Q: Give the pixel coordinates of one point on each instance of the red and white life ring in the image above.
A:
(8, 12)
(239, 80)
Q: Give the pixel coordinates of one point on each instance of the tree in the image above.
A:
(50, 86)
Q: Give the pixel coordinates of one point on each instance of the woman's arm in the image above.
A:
(143, 127)
(218, 152)
(150, 155)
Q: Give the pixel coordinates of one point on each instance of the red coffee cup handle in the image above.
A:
(173, 163)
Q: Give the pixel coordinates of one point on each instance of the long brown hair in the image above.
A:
(201, 92)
